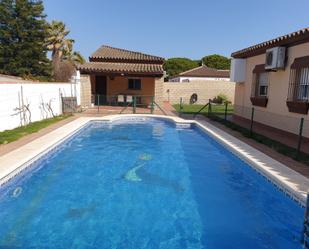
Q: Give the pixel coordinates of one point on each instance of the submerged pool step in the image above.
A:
(183, 126)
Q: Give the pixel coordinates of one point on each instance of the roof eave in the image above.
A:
(289, 40)
(121, 73)
(202, 76)
(119, 60)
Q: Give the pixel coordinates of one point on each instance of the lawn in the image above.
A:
(8, 136)
(217, 109)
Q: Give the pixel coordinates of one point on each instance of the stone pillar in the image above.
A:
(85, 90)
(159, 90)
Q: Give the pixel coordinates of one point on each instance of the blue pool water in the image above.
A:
(146, 185)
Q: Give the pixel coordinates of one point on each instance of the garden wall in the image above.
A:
(205, 90)
(23, 101)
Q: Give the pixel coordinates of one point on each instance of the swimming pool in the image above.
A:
(145, 183)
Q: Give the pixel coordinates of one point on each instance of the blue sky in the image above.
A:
(177, 28)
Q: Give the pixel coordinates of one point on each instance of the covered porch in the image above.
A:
(119, 77)
(113, 90)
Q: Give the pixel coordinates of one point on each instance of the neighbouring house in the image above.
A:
(273, 77)
(118, 75)
(200, 74)
(198, 85)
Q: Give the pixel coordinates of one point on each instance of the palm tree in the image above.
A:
(74, 57)
(57, 42)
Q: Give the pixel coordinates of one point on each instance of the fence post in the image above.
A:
(180, 106)
(134, 104)
(98, 102)
(209, 107)
(300, 136)
(251, 124)
(62, 104)
(225, 111)
(152, 104)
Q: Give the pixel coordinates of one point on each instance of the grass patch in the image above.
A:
(275, 145)
(8, 136)
(216, 109)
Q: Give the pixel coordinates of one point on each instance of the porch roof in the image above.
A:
(122, 68)
(111, 54)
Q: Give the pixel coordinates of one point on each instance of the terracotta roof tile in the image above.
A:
(111, 54)
(127, 68)
(204, 71)
(294, 38)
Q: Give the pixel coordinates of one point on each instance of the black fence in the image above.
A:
(127, 103)
(290, 137)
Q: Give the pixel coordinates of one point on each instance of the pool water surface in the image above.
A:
(146, 184)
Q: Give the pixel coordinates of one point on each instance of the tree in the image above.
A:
(74, 57)
(217, 61)
(58, 44)
(64, 59)
(22, 39)
(174, 66)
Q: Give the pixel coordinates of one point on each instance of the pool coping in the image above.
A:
(289, 181)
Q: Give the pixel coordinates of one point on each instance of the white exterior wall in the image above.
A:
(37, 95)
(189, 79)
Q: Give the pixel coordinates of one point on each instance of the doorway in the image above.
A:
(100, 90)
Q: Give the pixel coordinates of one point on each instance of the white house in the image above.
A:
(202, 73)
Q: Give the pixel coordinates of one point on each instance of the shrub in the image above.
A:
(221, 98)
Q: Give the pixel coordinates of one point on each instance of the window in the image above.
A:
(262, 84)
(260, 81)
(303, 84)
(298, 94)
(135, 84)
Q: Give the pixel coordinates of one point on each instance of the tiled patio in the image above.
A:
(273, 133)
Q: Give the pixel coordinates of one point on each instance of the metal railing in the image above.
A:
(69, 104)
(208, 107)
(132, 103)
(287, 134)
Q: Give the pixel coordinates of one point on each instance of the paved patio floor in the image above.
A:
(273, 133)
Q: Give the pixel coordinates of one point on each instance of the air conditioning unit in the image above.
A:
(275, 58)
(238, 70)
